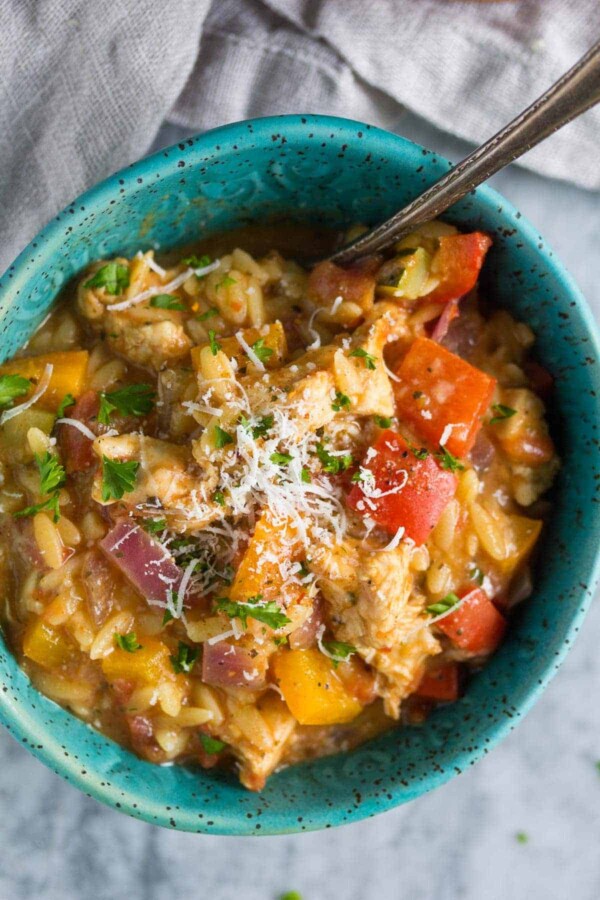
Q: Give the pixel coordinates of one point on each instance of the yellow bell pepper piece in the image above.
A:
(148, 665)
(68, 374)
(45, 645)
(311, 688)
(259, 572)
(273, 337)
(524, 533)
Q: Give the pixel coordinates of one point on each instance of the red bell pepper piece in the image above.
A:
(437, 389)
(441, 683)
(476, 626)
(457, 264)
(408, 492)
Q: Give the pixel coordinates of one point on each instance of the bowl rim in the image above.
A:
(21, 723)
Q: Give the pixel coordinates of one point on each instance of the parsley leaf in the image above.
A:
(253, 608)
(67, 401)
(502, 413)
(11, 387)
(52, 473)
(338, 650)
(208, 314)
(128, 642)
(222, 437)
(197, 262)
(168, 617)
(281, 459)
(291, 895)
(383, 421)
(448, 461)
(210, 744)
(305, 475)
(214, 344)
(113, 277)
(225, 282)
(264, 426)
(357, 477)
(476, 575)
(341, 402)
(521, 837)
(167, 301)
(362, 354)
(52, 478)
(133, 400)
(154, 526)
(261, 351)
(185, 659)
(50, 504)
(219, 497)
(333, 465)
(442, 606)
(118, 478)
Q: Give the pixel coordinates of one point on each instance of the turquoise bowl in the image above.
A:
(331, 171)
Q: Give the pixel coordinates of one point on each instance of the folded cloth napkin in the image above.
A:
(84, 87)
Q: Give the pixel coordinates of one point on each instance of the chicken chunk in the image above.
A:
(167, 478)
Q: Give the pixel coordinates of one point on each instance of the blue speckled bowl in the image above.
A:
(332, 171)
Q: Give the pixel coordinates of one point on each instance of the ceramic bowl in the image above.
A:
(332, 171)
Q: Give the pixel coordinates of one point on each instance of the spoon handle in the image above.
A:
(571, 95)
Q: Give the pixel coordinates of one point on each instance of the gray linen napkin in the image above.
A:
(84, 86)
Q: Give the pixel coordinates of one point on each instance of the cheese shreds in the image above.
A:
(447, 433)
(39, 391)
(249, 351)
(163, 288)
(395, 541)
(313, 332)
(75, 423)
(155, 267)
(389, 372)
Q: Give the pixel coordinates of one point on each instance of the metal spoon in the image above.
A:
(571, 95)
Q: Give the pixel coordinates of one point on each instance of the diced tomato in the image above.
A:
(409, 492)
(476, 626)
(438, 389)
(457, 264)
(541, 380)
(76, 448)
(441, 683)
(356, 284)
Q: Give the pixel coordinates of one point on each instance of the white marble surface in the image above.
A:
(458, 843)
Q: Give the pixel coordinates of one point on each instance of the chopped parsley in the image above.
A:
(338, 650)
(167, 301)
(185, 658)
(442, 606)
(368, 359)
(291, 895)
(168, 617)
(197, 262)
(448, 461)
(128, 642)
(219, 498)
(210, 744)
(225, 282)
(154, 526)
(305, 475)
(333, 465)
(502, 413)
(303, 571)
(357, 477)
(341, 402)
(265, 423)
(521, 837)
(213, 342)
(133, 400)
(67, 401)
(383, 421)
(11, 387)
(118, 478)
(208, 314)
(222, 437)
(262, 352)
(267, 612)
(113, 277)
(281, 459)
(52, 478)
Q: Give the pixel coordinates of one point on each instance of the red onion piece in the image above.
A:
(306, 635)
(463, 334)
(483, 452)
(143, 561)
(451, 311)
(227, 665)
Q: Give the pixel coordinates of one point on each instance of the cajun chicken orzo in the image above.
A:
(253, 513)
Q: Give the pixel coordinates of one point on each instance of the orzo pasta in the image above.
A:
(251, 513)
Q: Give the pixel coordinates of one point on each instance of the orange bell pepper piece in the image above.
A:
(311, 688)
(68, 374)
(457, 264)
